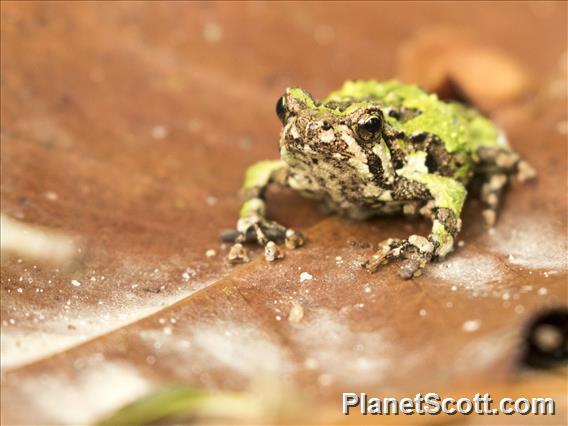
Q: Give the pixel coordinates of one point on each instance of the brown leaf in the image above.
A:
(459, 66)
(130, 127)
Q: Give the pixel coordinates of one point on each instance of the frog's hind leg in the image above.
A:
(496, 167)
(253, 226)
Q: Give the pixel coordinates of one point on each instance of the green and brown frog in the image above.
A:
(380, 148)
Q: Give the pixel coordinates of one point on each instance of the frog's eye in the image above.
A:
(369, 127)
(281, 110)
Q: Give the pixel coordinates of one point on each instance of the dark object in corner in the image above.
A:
(546, 339)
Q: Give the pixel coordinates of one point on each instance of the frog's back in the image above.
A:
(461, 128)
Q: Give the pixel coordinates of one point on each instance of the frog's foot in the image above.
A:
(417, 251)
(265, 232)
(490, 196)
(501, 166)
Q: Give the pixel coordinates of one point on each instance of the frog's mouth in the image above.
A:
(291, 137)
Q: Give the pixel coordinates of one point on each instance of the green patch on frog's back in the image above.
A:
(461, 129)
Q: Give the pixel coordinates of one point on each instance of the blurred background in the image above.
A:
(125, 132)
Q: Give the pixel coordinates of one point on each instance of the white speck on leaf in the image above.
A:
(211, 200)
(51, 196)
(471, 325)
(212, 32)
(159, 132)
(296, 313)
(311, 363)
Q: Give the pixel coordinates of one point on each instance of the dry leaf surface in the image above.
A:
(128, 128)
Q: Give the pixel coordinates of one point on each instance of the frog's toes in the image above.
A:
(414, 264)
(525, 171)
(238, 254)
(272, 252)
(294, 239)
(261, 230)
(417, 252)
(388, 249)
(254, 229)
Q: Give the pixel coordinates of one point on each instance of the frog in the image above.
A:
(375, 148)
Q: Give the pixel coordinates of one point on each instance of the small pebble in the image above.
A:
(296, 313)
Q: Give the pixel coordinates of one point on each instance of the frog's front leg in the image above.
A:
(417, 251)
(252, 225)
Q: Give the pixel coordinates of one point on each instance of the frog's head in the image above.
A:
(314, 130)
